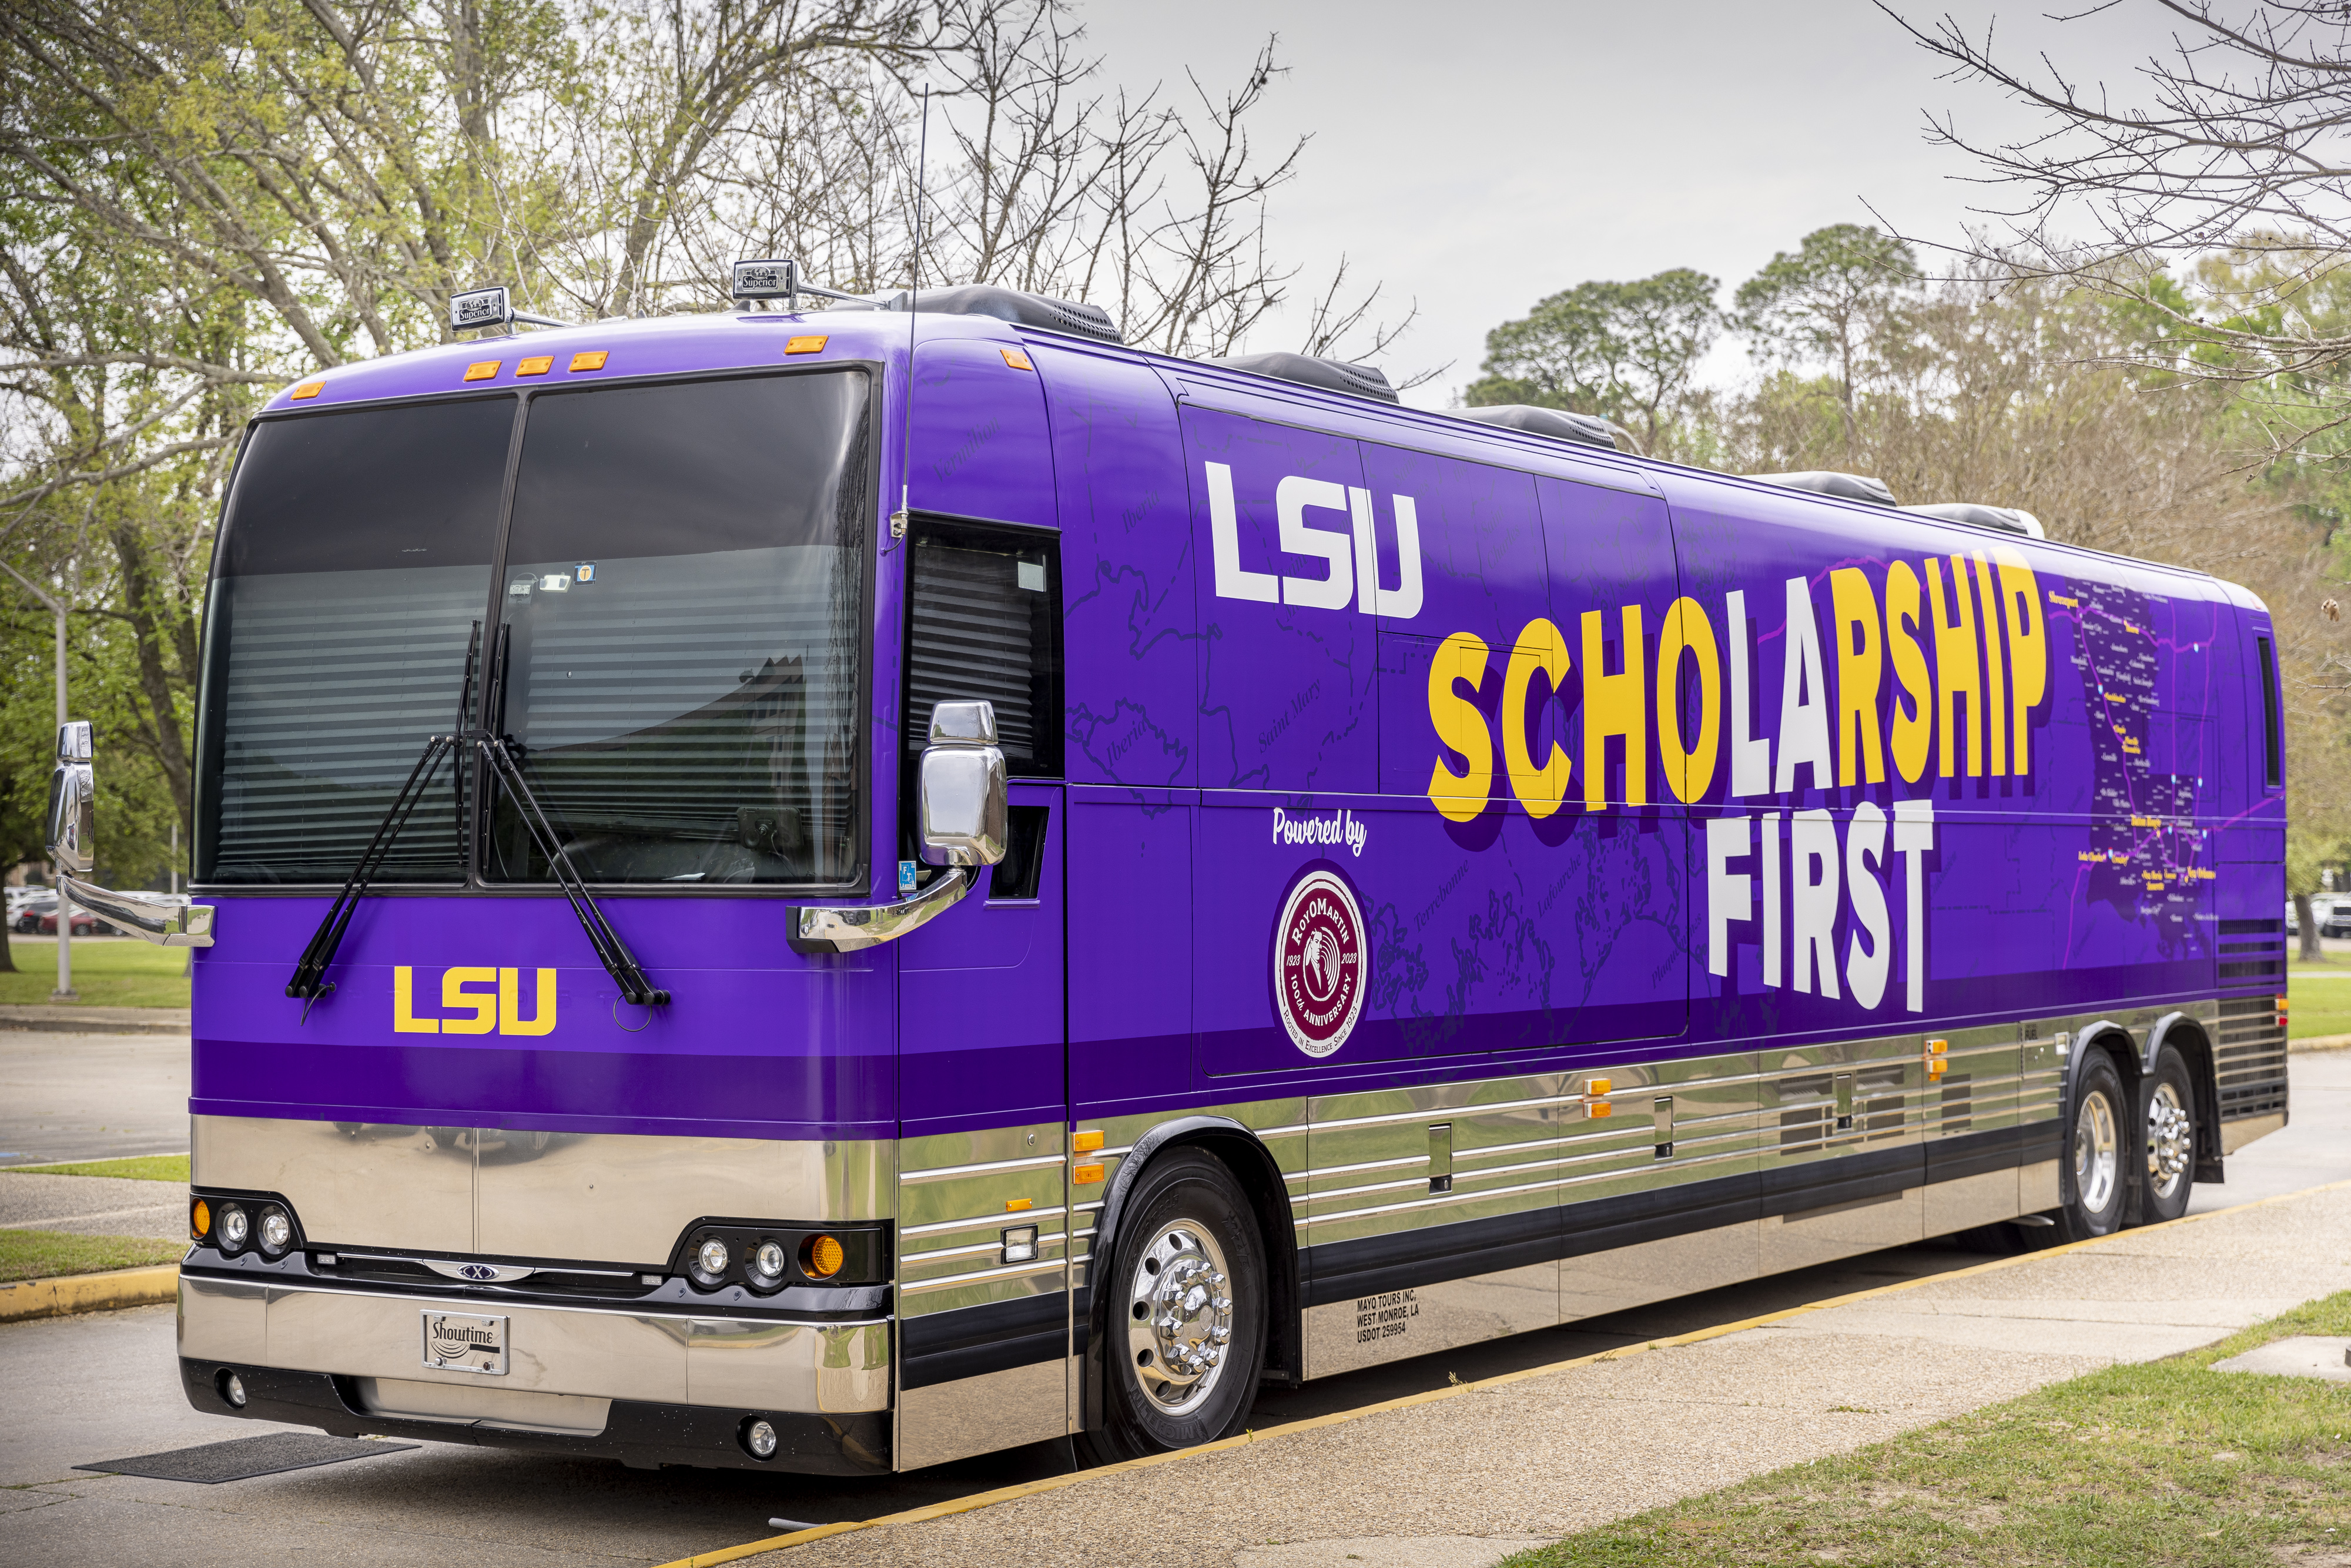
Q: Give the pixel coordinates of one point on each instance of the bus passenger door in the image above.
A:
(982, 1288)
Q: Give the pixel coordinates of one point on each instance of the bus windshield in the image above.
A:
(674, 614)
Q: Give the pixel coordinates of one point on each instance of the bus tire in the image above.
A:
(1184, 1316)
(2097, 1154)
(2169, 1129)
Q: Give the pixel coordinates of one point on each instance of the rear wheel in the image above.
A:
(1185, 1317)
(2170, 1136)
(2097, 1179)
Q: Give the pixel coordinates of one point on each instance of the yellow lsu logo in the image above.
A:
(487, 1010)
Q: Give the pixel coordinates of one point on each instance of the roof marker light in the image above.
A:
(307, 389)
(1016, 359)
(536, 365)
(482, 369)
(806, 345)
(593, 360)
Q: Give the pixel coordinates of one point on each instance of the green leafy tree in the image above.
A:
(1626, 351)
(1829, 301)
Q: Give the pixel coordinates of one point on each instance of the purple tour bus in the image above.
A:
(837, 890)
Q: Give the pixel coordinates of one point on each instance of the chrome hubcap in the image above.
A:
(2171, 1140)
(1180, 1317)
(2096, 1163)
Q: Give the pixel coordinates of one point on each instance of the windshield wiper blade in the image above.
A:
(611, 951)
(309, 982)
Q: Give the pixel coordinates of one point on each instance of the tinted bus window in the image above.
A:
(680, 596)
(354, 563)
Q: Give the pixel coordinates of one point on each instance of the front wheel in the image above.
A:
(1183, 1311)
(2170, 1128)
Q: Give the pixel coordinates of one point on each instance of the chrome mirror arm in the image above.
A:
(168, 920)
(851, 928)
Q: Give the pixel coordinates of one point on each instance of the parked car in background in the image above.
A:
(39, 915)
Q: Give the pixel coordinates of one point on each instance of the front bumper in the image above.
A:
(643, 1386)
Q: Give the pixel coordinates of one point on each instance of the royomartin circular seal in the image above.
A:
(1319, 964)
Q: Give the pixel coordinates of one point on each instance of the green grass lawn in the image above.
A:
(46, 1254)
(117, 973)
(138, 1167)
(2162, 1463)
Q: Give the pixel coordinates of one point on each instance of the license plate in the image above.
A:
(461, 1342)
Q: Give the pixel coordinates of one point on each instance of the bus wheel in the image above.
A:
(2170, 1136)
(1185, 1311)
(2095, 1156)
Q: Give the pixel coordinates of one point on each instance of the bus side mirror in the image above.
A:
(964, 796)
(73, 796)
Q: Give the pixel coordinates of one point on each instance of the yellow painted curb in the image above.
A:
(1055, 1483)
(89, 1292)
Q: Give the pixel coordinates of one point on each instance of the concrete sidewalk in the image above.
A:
(1565, 1450)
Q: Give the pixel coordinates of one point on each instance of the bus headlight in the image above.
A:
(710, 1262)
(234, 1229)
(276, 1231)
(765, 1265)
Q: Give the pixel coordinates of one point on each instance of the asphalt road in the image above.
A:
(104, 1387)
(91, 1096)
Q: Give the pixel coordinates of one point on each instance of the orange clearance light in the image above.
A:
(806, 345)
(821, 1256)
(1086, 1142)
(1014, 1204)
(536, 365)
(1595, 1096)
(593, 359)
(200, 1220)
(308, 390)
(482, 369)
(1086, 1175)
(1016, 359)
(1937, 1059)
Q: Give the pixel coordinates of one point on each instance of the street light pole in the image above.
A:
(65, 991)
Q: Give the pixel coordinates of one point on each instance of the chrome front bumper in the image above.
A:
(589, 1354)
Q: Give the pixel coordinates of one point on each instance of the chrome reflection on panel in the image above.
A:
(981, 1414)
(626, 1197)
(224, 1320)
(588, 1352)
(828, 1367)
(603, 1196)
(1623, 1276)
(957, 1191)
(508, 1409)
(404, 1188)
(1417, 1320)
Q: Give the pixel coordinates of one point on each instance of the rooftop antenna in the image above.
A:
(899, 518)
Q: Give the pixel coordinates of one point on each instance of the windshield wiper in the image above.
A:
(310, 983)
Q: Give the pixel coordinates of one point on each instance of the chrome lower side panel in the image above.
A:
(603, 1196)
(1624, 1276)
(2235, 1135)
(1341, 1336)
(595, 1354)
(979, 1415)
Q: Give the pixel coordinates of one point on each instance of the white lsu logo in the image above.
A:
(1352, 552)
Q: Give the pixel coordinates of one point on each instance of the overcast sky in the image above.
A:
(1475, 157)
